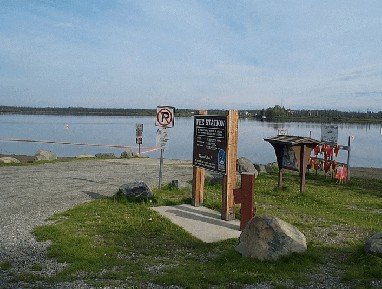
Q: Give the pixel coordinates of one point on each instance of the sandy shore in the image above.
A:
(356, 172)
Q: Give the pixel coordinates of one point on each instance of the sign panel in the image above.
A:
(165, 116)
(138, 129)
(329, 133)
(138, 133)
(162, 138)
(210, 142)
(282, 131)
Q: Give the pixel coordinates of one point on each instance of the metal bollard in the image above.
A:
(244, 196)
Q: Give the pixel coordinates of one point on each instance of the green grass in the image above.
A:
(113, 240)
(5, 266)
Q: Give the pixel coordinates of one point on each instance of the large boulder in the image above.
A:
(136, 190)
(269, 238)
(43, 155)
(244, 165)
(373, 245)
(9, 160)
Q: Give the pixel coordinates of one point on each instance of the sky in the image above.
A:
(208, 54)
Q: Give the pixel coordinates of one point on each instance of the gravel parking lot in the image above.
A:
(31, 194)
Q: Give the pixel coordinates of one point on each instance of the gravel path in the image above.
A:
(31, 194)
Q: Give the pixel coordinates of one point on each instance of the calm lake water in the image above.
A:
(366, 145)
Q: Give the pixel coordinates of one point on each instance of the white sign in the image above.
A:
(282, 131)
(162, 138)
(165, 116)
(329, 133)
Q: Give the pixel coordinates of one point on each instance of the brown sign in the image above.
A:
(210, 143)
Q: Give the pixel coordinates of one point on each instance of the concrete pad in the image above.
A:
(202, 223)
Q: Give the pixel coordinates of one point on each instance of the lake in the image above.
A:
(366, 143)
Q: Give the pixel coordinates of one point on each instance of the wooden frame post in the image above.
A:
(302, 168)
(198, 180)
(280, 180)
(348, 161)
(229, 180)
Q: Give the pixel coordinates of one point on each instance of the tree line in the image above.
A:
(276, 113)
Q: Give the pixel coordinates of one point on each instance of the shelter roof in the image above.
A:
(292, 140)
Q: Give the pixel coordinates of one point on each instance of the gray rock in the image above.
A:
(136, 190)
(269, 238)
(180, 184)
(213, 178)
(244, 165)
(43, 155)
(271, 167)
(85, 156)
(9, 160)
(128, 154)
(260, 168)
(373, 245)
(105, 155)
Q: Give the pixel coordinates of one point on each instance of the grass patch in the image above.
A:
(112, 239)
(5, 266)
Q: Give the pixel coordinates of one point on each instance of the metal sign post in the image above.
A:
(138, 135)
(161, 142)
(160, 168)
(165, 119)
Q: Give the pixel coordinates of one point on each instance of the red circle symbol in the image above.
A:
(165, 117)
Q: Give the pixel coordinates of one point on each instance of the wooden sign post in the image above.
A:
(198, 180)
(229, 180)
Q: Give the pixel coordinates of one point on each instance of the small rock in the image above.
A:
(244, 165)
(136, 190)
(105, 155)
(43, 155)
(85, 156)
(9, 160)
(271, 167)
(128, 154)
(260, 168)
(373, 245)
(269, 238)
(180, 184)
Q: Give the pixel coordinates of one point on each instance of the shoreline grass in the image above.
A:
(112, 241)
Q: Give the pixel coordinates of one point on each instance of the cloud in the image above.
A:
(222, 54)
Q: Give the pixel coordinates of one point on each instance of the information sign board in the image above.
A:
(165, 116)
(210, 142)
(329, 133)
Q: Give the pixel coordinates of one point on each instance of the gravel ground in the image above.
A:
(31, 194)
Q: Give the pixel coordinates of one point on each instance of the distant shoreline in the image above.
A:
(275, 114)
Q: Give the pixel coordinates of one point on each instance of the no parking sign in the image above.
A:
(165, 116)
